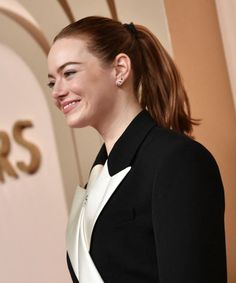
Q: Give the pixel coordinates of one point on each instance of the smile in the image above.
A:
(68, 106)
(71, 103)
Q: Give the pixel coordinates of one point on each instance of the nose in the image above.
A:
(59, 90)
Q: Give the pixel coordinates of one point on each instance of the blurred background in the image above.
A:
(42, 160)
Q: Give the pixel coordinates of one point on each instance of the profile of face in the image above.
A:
(82, 86)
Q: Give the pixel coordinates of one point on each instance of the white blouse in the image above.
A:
(86, 207)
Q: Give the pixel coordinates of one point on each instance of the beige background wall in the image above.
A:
(198, 51)
(189, 30)
(226, 11)
(33, 211)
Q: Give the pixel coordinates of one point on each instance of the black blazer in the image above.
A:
(165, 221)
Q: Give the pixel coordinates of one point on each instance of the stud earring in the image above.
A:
(120, 81)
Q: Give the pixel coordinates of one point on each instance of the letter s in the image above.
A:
(33, 166)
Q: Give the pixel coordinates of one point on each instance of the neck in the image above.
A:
(117, 123)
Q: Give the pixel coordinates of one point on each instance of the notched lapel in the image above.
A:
(112, 185)
(99, 194)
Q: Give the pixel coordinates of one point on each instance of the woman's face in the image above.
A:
(82, 88)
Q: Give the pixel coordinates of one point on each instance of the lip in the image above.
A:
(67, 106)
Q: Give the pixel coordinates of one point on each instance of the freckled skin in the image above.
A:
(85, 79)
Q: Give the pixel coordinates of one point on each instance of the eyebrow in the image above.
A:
(63, 66)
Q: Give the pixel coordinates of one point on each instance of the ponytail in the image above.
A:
(161, 89)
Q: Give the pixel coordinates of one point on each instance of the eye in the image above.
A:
(51, 84)
(69, 73)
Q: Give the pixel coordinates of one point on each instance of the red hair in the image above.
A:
(157, 82)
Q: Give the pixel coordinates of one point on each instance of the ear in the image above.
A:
(122, 65)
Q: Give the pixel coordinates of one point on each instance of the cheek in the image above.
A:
(75, 87)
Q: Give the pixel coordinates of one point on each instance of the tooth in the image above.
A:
(71, 103)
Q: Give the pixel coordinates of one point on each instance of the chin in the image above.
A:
(76, 123)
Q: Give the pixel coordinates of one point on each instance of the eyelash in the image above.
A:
(68, 73)
(51, 84)
(65, 74)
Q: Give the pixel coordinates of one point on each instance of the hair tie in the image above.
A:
(131, 28)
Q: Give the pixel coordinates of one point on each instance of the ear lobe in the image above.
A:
(122, 65)
(119, 82)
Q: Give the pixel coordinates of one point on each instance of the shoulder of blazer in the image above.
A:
(168, 150)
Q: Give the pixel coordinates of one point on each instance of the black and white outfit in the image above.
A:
(153, 211)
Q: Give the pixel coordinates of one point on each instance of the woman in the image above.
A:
(153, 209)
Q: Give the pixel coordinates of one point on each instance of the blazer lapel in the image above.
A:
(127, 146)
(99, 192)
